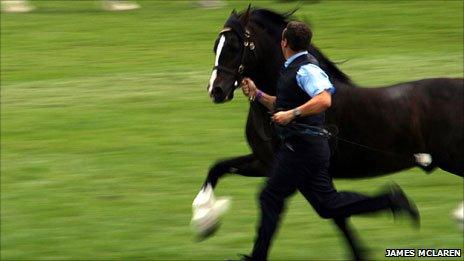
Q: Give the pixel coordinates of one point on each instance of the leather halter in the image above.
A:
(248, 45)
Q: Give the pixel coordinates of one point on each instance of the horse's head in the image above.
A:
(237, 57)
(233, 47)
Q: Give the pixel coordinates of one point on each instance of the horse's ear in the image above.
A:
(246, 16)
(234, 12)
(249, 8)
(289, 14)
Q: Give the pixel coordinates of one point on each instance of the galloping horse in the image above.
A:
(380, 130)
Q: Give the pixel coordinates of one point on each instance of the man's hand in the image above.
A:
(283, 117)
(249, 88)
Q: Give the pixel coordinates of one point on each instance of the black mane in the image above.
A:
(274, 22)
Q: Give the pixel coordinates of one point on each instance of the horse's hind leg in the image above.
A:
(356, 249)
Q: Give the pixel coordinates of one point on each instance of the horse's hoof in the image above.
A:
(207, 214)
(206, 221)
(209, 232)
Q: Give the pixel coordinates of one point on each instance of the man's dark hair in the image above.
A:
(298, 36)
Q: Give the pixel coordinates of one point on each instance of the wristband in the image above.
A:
(259, 95)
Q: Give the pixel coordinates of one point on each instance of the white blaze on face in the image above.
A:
(222, 40)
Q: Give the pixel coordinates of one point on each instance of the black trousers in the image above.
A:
(302, 164)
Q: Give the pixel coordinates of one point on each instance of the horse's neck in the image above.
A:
(266, 80)
(269, 63)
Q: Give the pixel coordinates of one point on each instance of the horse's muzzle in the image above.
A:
(218, 95)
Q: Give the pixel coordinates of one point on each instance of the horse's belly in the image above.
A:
(367, 167)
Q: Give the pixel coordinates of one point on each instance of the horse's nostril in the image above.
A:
(217, 92)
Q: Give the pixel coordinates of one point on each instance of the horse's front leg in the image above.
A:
(247, 165)
(207, 210)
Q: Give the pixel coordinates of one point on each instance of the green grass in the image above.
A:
(107, 131)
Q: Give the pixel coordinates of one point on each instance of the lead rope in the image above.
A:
(422, 159)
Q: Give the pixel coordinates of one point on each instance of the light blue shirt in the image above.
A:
(310, 78)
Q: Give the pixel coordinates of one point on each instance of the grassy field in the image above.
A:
(107, 130)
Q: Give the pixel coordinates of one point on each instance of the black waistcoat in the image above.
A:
(290, 95)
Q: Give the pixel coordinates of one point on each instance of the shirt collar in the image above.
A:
(293, 57)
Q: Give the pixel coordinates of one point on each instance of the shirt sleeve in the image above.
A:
(313, 80)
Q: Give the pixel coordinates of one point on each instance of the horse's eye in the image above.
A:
(234, 46)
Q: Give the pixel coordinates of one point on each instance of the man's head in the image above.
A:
(296, 37)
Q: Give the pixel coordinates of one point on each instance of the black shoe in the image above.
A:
(242, 258)
(401, 204)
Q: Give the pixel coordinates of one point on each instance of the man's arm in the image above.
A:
(317, 104)
(250, 90)
(317, 85)
(267, 100)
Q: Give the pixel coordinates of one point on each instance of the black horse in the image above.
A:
(379, 130)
